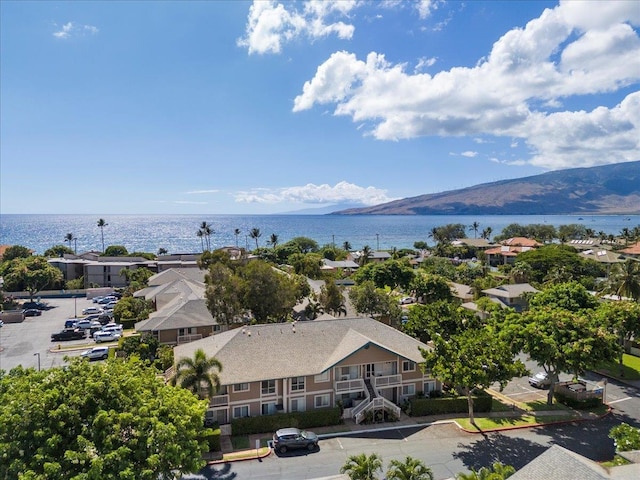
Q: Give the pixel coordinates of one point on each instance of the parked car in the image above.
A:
(105, 317)
(83, 324)
(32, 312)
(110, 336)
(96, 353)
(92, 317)
(407, 300)
(97, 299)
(68, 334)
(36, 305)
(293, 438)
(92, 311)
(107, 299)
(71, 323)
(540, 380)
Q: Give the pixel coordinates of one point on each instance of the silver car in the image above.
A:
(540, 380)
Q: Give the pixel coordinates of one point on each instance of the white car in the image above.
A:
(407, 300)
(540, 380)
(91, 311)
(110, 336)
(96, 353)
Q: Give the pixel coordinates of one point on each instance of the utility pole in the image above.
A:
(38, 354)
(377, 242)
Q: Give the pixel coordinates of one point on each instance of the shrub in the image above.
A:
(212, 437)
(577, 404)
(270, 423)
(434, 406)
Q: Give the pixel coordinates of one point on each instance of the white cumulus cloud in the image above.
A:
(316, 194)
(71, 29)
(576, 48)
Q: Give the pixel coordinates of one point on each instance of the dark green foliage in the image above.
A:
(145, 346)
(577, 404)
(392, 274)
(544, 259)
(16, 251)
(57, 251)
(538, 231)
(431, 288)
(570, 296)
(321, 417)
(145, 255)
(433, 406)
(116, 251)
(212, 437)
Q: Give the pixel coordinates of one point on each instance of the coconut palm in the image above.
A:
(255, 233)
(313, 310)
(474, 226)
(200, 235)
(101, 225)
(362, 467)
(486, 233)
(70, 238)
(409, 469)
(346, 246)
(205, 228)
(162, 251)
(497, 471)
(199, 374)
(237, 232)
(364, 257)
(624, 280)
(273, 240)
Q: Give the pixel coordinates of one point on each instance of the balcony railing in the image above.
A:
(189, 338)
(219, 400)
(374, 404)
(387, 381)
(348, 386)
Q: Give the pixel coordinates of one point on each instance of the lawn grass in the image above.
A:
(615, 462)
(491, 423)
(630, 367)
(541, 406)
(498, 406)
(240, 442)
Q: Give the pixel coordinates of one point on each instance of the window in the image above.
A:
(408, 390)
(297, 405)
(216, 328)
(241, 387)
(268, 408)
(322, 400)
(268, 387)
(429, 387)
(323, 377)
(408, 366)
(297, 384)
(241, 411)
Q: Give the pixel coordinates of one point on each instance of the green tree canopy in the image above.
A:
(570, 296)
(431, 288)
(199, 374)
(408, 469)
(624, 280)
(307, 264)
(473, 359)
(331, 298)
(16, 251)
(109, 420)
(132, 308)
(224, 294)
(362, 466)
(441, 318)
(57, 251)
(544, 259)
(391, 273)
(116, 251)
(497, 471)
(625, 437)
(30, 274)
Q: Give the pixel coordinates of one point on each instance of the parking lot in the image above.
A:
(29, 342)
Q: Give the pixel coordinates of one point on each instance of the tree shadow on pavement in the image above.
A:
(212, 472)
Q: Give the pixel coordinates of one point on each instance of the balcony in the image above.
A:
(219, 400)
(387, 381)
(189, 338)
(349, 386)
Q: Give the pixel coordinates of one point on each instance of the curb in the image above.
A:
(242, 459)
(617, 379)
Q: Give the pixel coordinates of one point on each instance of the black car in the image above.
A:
(32, 312)
(293, 438)
(35, 305)
(69, 334)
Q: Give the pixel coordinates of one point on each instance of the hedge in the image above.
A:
(433, 406)
(212, 437)
(577, 404)
(270, 423)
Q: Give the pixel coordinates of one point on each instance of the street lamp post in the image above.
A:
(38, 354)
(75, 307)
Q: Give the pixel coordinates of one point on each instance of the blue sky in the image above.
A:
(236, 107)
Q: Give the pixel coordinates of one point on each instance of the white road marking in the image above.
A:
(619, 400)
(403, 437)
(340, 444)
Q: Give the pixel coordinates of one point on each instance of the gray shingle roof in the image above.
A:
(179, 313)
(262, 352)
(559, 463)
(510, 291)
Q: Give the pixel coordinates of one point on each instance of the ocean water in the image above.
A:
(177, 233)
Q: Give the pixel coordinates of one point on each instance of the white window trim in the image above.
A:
(328, 398)
(322, 377)
(233, 411)
(302, 399)
(298, 390)
(236, 388)
(272, 394)
(408, 385)
(410, 364)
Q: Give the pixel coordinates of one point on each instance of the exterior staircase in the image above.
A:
(373, 401)
(372, 392)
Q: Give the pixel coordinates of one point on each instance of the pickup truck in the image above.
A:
(68, 334)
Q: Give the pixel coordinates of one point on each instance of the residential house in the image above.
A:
(512, 295)
(347, 266)
(464, 293)
(509, 249)
(181, 314)
(632, 250)
(358, 363)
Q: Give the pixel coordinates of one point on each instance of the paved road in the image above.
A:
(21, 342)
(444, 448)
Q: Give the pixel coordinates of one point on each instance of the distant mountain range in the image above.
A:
(605, 190)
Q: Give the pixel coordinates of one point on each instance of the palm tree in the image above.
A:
(474, 226)
(364, 257)
(435, 234)
(410, 469)
(255, 234)
(196, 374)
(101, 225)
(313, 310)
(237, 232)
(205, 228)
(497, 471)
(273, 240)
(162, 251)
(346, 246)
(200, 235)
(70, 238)
(624, 281)
(486, 233)
(362, 467)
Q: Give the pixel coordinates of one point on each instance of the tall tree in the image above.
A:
(624, 280)
(486, 233)
(236, 233)
(30, 274)
(255, 233)
(346, 246)
(408, 469)
(101, 225)
(362, 466)
(70, 238)
(223, 294)
(107, 420)
(200, 235)
(206, 230)
(474, 227)
(473, 359)
(331, 297)
(273, 240)
(199, 374)
(162, 251)
(364, 255)
(623, 317)
(497, 471)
